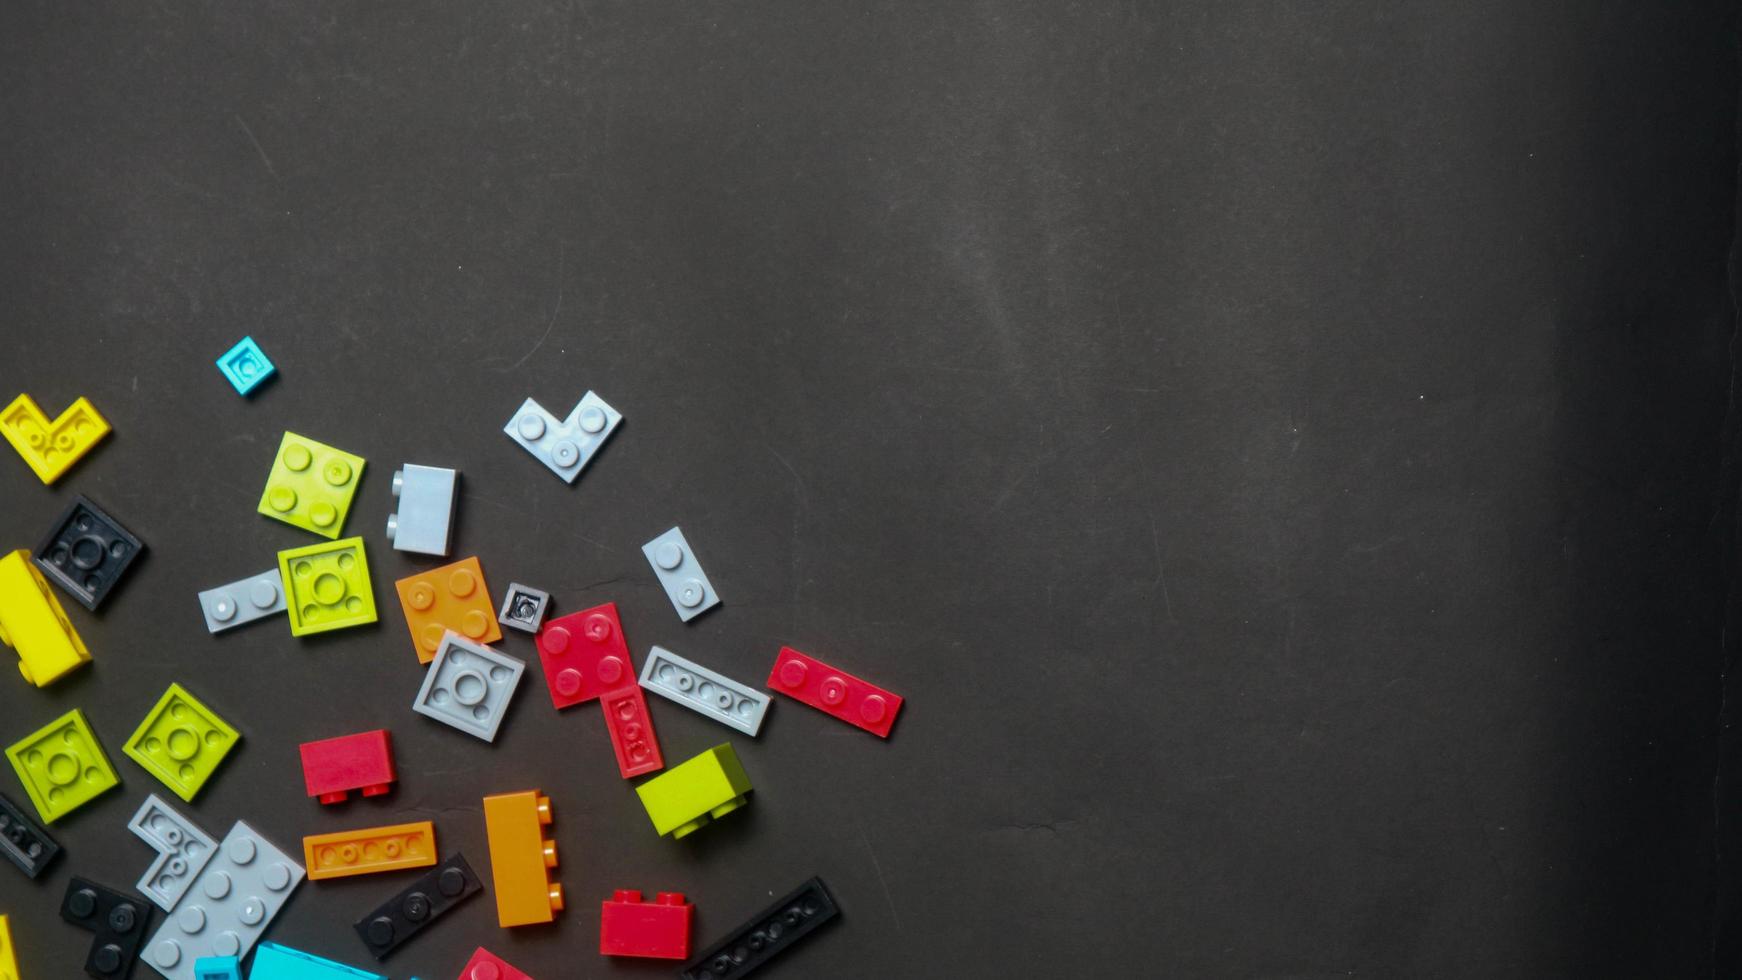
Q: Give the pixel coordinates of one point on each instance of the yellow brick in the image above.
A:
(8, 961)
(51, 447)
(326, 586)
(311, 485)
(684, 798)
(33, 623)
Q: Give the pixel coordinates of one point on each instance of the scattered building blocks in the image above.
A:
(8, 959)
(255, 597)
(24, 843)
(452, 597)
(332, 767)
(311, 485)
(246, 366)
(565, 445)
(231, 903)
(370, 850)
(181, 742)
(631, 730)
(326, 586)
(62, 766)
(584, 655)
(519, 857)
(689, 795)
(485, 965)
(706, 693)
(523, 607)
(118, 920)
(182, 851)
(86, 552)
(425, 900)
(468, 687)
(659, 929)
(275, 962)
(33, 623)
(766, 935)
(217, 968)
(681, 574)
(423, 519)
(834, 692)
(51, 448)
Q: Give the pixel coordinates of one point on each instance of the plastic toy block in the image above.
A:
(118, 920)
(332, 767)
(584, 655)
(311, 485)
(523, 607)
(182, 851)
(8, 961)
(485, 965)
(423, 520)
(51, 448)
(243, 887)
(766, 935)
(275, 962)
(659, 929)
(631, 730)
(87, 552)
(425, 900)
(564, 445)
(252, 598)
(689, 795)
(468, 687)
(370, 850)
(685, 583)
(834, 692)
(33, 623)
(706, 693)
(246, 366)
(519, 858)
(452, 597)
(217, 968)
(181, 742)
(326, 586)
(24, 843)
(62, 766)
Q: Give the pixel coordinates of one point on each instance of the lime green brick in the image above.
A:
(311, 485)
(181, 742)
(684, 797)
(62, 766)
(326, 586)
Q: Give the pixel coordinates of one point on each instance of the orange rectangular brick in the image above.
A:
(452, 597)
(519, 857)
(370, 850)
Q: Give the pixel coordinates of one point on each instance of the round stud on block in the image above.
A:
(222, 609)
(592, 420)
(556, 639)
(668, 555)
(792, 673)
(530, 426)
(565, 453)
(462, 582)
(297, 458)
(263, 594)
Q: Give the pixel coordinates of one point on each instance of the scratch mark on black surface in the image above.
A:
(561, 258)
(257, 147)
(1160, 571)
(877, 866)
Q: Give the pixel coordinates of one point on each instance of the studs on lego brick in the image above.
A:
(452, 597)
(659, 929)
(468, 687)
(835, 692)
(520, 856)
(370, 850)
(86, 552)
(62, 766)
(24, 843)
(332, 767)
(766, 935)
(311, 485)
(182, 851)
(566, 446)
(688, 796)
(433, 895)
(584, 655)
(50, 448)
(631, 730)
(246, 366)
(253, 598)
(33, 623)
(326, 586)
(485, 965)
(181, 742)
(703, 691)
(423, 517)
(117, 920)
(523, 607)
(232, 901)
(686, 585)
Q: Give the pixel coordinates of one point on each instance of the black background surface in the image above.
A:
(1277, 448)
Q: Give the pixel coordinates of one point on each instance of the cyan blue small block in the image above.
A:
(217, 968)
(275, 962)
(246, 366)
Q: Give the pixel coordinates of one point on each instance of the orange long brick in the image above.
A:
(372, 849)
(519, 857)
